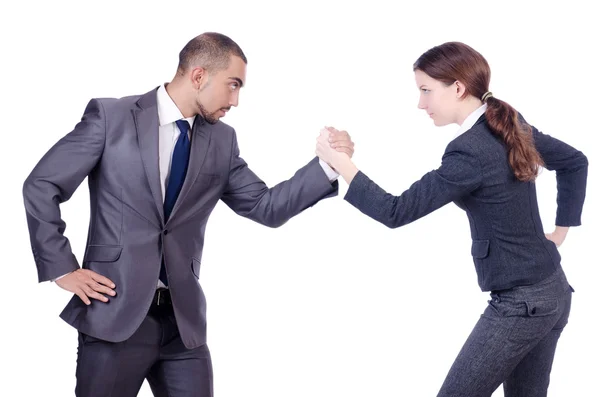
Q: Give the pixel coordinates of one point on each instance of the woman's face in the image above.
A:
(439, 100)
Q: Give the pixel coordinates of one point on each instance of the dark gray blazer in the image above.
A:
(116, 146)
(509, 245)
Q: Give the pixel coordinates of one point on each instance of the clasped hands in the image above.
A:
(334, 147)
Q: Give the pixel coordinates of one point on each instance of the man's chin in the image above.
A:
(212, 119)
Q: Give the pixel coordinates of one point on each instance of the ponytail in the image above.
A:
(503, 120)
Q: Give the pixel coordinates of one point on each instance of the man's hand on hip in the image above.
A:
(87, 284)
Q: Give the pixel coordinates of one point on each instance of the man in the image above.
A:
(157, 164)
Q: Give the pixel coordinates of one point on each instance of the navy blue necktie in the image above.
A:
(179, 165)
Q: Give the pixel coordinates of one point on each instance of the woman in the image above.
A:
(489, 172)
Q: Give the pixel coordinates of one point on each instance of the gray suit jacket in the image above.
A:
(509, 246)
(115, 145)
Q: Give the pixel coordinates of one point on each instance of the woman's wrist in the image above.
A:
(346, 168)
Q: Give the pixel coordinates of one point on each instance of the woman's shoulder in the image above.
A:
(479, 140)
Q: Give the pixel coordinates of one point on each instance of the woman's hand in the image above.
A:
(333, 147)
(558, 235)
(327, 151)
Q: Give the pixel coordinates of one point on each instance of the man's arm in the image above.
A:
(249, 196)
(52, 182)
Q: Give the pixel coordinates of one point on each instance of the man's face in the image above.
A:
(221, 90)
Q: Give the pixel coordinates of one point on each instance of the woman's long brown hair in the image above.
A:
(454, 61)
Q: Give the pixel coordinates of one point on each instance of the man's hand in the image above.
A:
(341, 141)
(327, 153)
(87, 284)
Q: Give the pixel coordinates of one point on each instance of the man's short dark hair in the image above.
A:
(210, 51)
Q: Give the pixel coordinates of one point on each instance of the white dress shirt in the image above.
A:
(168, 133)
(471, 120)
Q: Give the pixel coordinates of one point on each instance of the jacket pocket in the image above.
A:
(480, 248)
(102, 253)
(196, 267)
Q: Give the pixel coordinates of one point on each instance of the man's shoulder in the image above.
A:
(147, 99)
(122, 102)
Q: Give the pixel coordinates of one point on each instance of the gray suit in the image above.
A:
(116, 146)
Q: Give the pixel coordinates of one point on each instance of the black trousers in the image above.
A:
(154, 352)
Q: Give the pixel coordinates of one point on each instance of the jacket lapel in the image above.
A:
(146, 124)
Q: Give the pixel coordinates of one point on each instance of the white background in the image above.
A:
(332, 303)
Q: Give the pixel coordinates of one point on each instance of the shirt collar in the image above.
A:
(168, 112)
(471, 119)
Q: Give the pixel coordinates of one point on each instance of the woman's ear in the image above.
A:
(461, 89)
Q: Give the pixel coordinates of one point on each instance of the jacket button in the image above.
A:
(165, 232)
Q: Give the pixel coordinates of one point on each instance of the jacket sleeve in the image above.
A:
(52, 182)
(571, 168)
(250, 197)
(459, 174)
